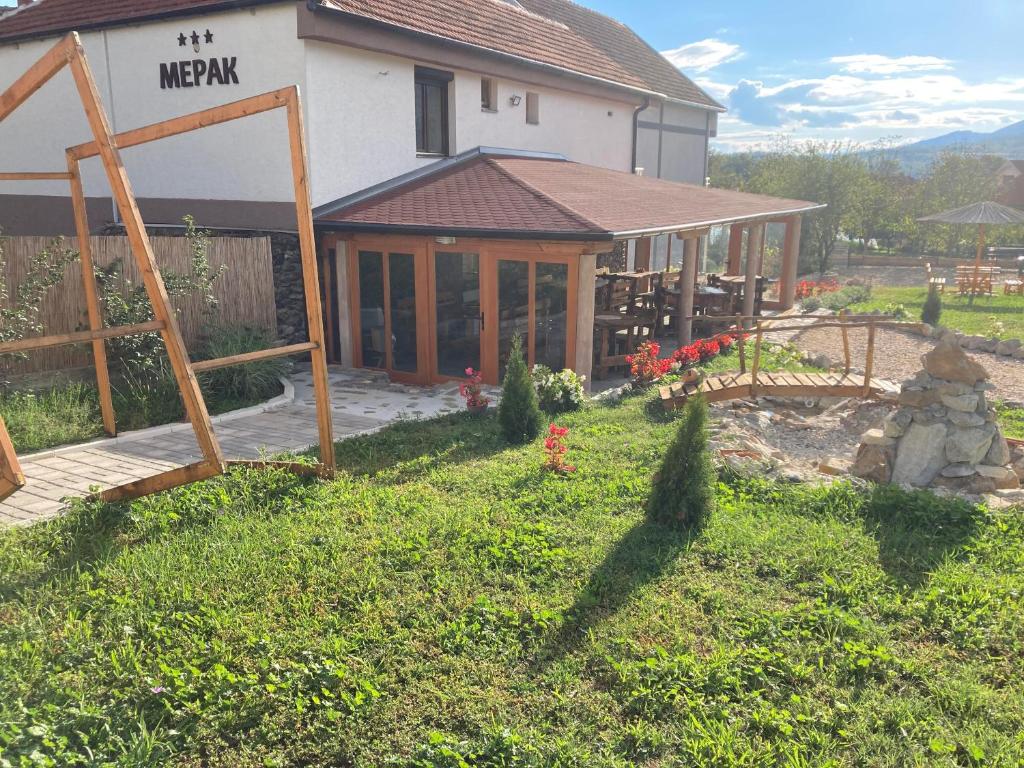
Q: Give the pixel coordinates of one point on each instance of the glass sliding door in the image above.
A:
(388, 292)
(551, 315)
(402, 304)
(513, 307)
(457, 313)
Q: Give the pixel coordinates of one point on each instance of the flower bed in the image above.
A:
(647, 367)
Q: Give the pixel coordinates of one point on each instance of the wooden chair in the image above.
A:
(622, 320)
(933, 281)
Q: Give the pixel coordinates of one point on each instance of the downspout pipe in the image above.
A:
(636, 127)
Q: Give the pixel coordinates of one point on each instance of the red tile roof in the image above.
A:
(46, 18)
(522, 196)
(557, 33)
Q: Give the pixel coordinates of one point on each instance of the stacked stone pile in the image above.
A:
(943, 432)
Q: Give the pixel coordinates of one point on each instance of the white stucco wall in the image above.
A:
(678, 153)
(246, 160)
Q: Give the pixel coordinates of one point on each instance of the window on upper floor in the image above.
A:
(432, 110)
(488, 94)
(532, 108)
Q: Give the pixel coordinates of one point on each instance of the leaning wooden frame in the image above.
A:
(107, 145)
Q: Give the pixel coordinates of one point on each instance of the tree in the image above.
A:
(954, 179)
(822, 172)
(684, 488)
(518, 412)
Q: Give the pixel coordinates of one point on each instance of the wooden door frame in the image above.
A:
(489, 253)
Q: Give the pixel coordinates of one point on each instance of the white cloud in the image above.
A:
(703, 55)
(876, 64)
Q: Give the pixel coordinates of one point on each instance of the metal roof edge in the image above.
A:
(436, 231)
(628, 234)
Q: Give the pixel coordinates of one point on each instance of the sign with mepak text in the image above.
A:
(197, 72)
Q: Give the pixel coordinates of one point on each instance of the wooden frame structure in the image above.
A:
(106, 145)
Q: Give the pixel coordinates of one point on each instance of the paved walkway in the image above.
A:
(361, 401)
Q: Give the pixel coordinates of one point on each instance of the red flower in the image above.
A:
(644, 364)
(555, 450)
(471, 390)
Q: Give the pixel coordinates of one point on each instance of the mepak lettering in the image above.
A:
(190, 74)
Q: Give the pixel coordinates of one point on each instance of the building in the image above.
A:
(397, 94)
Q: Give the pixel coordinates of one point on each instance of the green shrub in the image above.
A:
(252, 382)
(684, 488)
(558, 392)
(932, 309)
(810, 304)
(894, 310)
(844, 297)
(518, 413)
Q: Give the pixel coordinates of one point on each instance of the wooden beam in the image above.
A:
(11, 476)
(732, 265)
(790, 262)
(164, 481)
(642, 254)
(92, 304)
(755, 236)
(78, 337)
(236, 110)
(31, 176)
(252, 357)
(36, 76)
(310, 278)
(142, 249)
(687, 276)
(583, 362)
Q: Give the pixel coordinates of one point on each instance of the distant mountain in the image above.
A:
(1006, 142)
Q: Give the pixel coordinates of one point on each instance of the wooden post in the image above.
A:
(732, 264)
(869, 363)
(754, 236)
(642, 254)
(11, 476)
(790, 263)
(121, 188)
(310, 280)
(583, 362)
(846, 344)
(687, 276)
(92, 305)
(743, 344)
(756, 365)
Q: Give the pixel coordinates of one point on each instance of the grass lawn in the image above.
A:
(956, 314)
(1011, 420)
(444, 602)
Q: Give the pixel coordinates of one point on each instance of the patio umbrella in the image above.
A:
(982, 214)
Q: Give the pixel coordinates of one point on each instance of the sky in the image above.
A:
(851, 70)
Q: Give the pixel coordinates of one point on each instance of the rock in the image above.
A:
(1004, 479)
(926, 330)
(961, 419)
(955, 388)
(969, 444)
(958, 470)
(921, 454)
(999, 453)
(989, 345)
(1017, 461)
(920, 380)
(974, 342)
(930, 415)
(874, 462)
(965, 403)
(984, 386)
(833, 466)
(945, 334)
(1007, 347)
(821, 361)
(951, 363)
(876, 437)
(918, 398)
(979, 485)
(892, 428)
(1019, 354)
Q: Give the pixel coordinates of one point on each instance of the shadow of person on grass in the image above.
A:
(643, 555)
(917, 530)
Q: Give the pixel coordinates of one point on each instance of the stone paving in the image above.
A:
(361, 401)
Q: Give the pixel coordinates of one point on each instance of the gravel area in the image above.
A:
(898, 356)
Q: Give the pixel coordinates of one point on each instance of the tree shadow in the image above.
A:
(916, 531)
(407, 450)
(641, 556)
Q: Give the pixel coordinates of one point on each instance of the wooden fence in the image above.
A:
(245, 291)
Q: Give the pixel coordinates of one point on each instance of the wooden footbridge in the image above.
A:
(757, 383)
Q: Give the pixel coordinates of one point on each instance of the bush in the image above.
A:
(850, 294)
(810, 304)
(558, 392)
(684, 488)
(932, 309)
(251, 382)
(894, 310)
(518, 413)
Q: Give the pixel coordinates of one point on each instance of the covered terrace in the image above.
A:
(435, 271)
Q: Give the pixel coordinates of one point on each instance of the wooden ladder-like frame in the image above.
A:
(68, 52)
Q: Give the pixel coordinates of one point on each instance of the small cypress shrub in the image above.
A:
(683, 493)
(932, 309)
(518, 412)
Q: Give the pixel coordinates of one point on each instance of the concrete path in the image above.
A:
(361, 401)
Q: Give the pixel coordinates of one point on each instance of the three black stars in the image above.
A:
(183, 39)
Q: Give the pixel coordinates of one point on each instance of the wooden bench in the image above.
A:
(933, 281)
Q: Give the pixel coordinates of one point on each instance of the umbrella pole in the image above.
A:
(977, 265)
